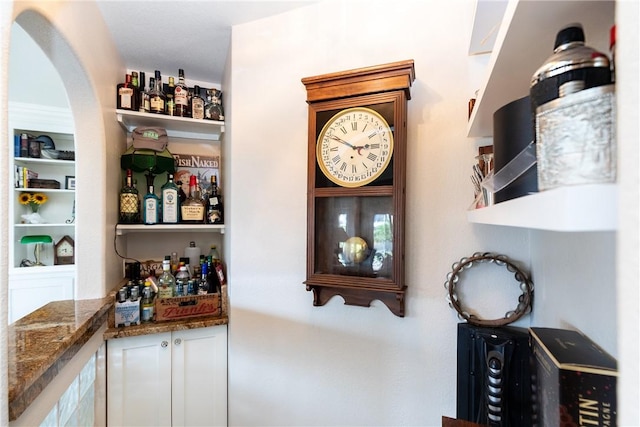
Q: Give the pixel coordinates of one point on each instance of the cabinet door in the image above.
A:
(28, 292)
(199, 377)
(139, 381)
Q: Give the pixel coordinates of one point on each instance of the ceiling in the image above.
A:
(193, 35)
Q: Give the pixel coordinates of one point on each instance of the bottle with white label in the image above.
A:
(151, 204)
(170, 202)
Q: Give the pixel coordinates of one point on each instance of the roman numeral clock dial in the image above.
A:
(354, 147)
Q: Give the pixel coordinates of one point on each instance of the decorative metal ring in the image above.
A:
(525, 300)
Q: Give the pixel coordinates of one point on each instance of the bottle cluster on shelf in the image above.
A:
(194, 274)
(173, 99)
(173, 206)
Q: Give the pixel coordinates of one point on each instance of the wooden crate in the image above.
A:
(178, 308)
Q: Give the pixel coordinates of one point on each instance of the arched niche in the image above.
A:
(88, 102)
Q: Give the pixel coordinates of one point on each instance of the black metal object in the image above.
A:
(494, 376)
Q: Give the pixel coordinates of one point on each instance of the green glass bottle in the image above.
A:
(129, 209)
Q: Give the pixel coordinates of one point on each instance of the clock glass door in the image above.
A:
(354, 236)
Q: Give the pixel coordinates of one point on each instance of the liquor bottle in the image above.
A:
(171, 105)
(146, 94)
(213, 107)
(170, 202)
(197, 104)
(166, 281)
(182, 281)
(151, 203)
(146, 307)
(134, 80)
(126, 95)
(214, 204)
(142, 81)
(193, 208)
(203, 284)
(129, 202)
(181, 96)
(157, 97)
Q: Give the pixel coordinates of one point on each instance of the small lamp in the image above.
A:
(38, 240)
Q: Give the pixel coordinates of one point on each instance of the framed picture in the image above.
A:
(70, 182)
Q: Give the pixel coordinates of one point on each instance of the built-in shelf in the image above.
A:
(44, 190)
(122, 229)
(524, 41)
(43, 269)
(178, 127)
(34, 161)
(577, 208)
(55, 224)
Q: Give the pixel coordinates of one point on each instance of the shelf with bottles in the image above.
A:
(122, 229)
(177, 127)
(525, 38)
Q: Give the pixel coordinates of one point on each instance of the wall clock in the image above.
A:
(64, 251)
(356, 184)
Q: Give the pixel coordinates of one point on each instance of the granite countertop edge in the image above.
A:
(44, 341)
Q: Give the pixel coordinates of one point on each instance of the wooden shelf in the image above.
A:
(524, 41)
(577, 208)
(177, 127)
(122, 229)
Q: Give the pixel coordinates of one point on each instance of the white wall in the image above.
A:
(294, 364)
(75, 39)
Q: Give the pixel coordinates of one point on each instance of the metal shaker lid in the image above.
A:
(569, 53)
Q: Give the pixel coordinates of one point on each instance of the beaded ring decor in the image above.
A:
(524, 300)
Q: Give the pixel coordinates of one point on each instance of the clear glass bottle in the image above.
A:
(126, 95)
(146, 94)
(203, 284)
(182, 281)
(197, 104)
(129, 207)
(181, 96)
(193, 209)
(147, 306)
(166, 281)
(171, 104)
(170, 202)
(157, 97)
(213, 107)
(151, 203)
(214, 204)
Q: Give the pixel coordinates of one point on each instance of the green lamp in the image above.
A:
(39, 240)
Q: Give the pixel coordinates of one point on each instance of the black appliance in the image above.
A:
(494, 376)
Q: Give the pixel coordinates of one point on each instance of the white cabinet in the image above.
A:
(524, 39)
(30, 289)
(173, 378)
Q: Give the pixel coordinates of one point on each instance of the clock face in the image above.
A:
(65, 249)
(354, 147)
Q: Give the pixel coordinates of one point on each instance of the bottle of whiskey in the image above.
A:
(166, 281)
(151, 203)
(181, 96)
(170, 202)
(213, 107)
(214, 204)
(157, 97)
(129, 209)
(134, 80)
(171, 105)
(193, 208)
(127, 95)
(197, 104)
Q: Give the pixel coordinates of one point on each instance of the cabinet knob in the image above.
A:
(177, 341)
(164, 344)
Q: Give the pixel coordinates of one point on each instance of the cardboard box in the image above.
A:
(127, 313)
(178, 308)
(575, 379)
